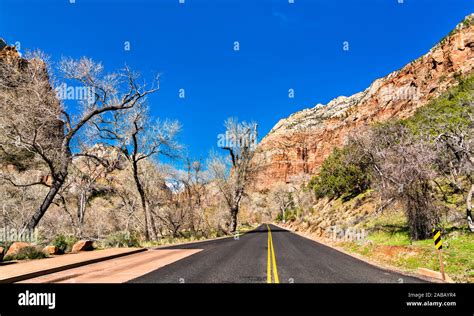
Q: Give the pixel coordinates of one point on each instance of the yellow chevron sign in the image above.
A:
(437, 239)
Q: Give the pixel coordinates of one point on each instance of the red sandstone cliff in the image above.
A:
(300, 143)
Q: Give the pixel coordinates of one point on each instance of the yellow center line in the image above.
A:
(275, 270)
(271, 260)
(269, 263)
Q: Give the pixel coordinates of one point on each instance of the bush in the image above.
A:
(30, 252)
(121, 239)
(340, 177)
(451, 110)
(290, 216)
(64, 243)
(279, 217)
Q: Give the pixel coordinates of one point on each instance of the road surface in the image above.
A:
(269, 254)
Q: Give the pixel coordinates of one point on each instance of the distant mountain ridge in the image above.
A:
(300, 143)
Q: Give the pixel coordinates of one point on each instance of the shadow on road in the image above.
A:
(273, 230)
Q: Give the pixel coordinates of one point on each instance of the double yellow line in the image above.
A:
(271, 260)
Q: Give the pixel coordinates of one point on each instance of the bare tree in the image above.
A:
(282, 198)
(190, 192)
(234, 174)
(139, 138)
(85, 171)
(260, 206)
(402, 170)
(303, 195)
(37, 121)
(455, 159)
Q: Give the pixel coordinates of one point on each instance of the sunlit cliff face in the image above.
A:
(300, 143)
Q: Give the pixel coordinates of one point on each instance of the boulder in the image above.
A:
(83, 245)
(15, 247)
(51, 250)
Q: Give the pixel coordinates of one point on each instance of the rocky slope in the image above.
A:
(300, 143)
(22, 80)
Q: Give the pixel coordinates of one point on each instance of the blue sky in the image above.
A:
(282, 46)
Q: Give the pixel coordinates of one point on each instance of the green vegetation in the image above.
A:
(26, 253)
(394, 247)
(388, 242)
(121, 239)
(340, 177)
(64, 243)
(289, 215)
(422, 162)
(189, 237)
(451, 110)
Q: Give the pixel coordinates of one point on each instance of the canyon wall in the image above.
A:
(299, 144)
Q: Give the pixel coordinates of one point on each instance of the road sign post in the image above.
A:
(439, 248)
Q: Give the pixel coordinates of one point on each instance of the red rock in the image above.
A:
(83, 245)
(15, 247)
(299, 144)
(51, 250)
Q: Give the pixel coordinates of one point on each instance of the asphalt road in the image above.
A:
(260, 256)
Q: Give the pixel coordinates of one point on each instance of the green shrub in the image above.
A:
(121, 239)
(290, 215)
(64, 243)
(279, 217)
(343, 176)
(340, 177)
(25, 253)
(451, 110)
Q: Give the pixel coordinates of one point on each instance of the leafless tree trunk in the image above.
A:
(240, 142)
(55, 187)
(150, 232)
(138, 138)
(403, 170)
(281, 196)
(36, 112)
(84, 173)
